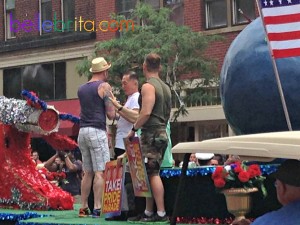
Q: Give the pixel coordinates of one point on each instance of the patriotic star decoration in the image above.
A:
(271, 2)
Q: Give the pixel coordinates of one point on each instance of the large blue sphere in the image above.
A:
(249, 92)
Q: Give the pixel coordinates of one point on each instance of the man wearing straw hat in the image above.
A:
(92, 139)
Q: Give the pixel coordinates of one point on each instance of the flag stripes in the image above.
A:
(284, 36)
(282, 22)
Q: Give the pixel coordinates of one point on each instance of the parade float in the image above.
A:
(22, 185)
(260, 98)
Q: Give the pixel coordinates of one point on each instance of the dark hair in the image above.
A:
(288, 172)
(152, 62)
(220, 158)
(132, 75)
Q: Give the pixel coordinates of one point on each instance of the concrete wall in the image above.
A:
(73, 80)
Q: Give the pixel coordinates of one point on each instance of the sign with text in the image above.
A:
(137, 168)
(114, 185)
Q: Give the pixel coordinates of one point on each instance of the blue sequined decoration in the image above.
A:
(208, 170)
(34, 99)
(67, 116)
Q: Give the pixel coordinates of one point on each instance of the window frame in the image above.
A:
(156, 7)
(235, 12)
(161, 4)
(231, 25)
(123, 11)
(62, 2)
(58, 76)
(9, 34)
(42, 32)
(177, 3)
(207, 14)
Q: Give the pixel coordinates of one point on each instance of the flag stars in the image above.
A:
(271, 2)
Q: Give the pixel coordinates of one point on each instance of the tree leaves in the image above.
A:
(181, 50)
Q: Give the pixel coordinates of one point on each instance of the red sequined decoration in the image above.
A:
(60, 142)
(203, 220)
(18, 172)
(48, 120)
(31, 103)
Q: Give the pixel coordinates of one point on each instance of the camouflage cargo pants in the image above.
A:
(153, 144)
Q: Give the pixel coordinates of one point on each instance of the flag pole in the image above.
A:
(286, 112)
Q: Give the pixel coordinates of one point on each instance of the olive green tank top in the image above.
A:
(162, 107)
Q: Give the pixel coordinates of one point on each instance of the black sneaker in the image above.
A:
(156, 219)
(138, 218)
(122, 217)
(96, 213)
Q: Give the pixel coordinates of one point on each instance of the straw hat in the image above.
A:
(99, 64)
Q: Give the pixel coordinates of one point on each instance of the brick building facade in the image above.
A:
(30, 55)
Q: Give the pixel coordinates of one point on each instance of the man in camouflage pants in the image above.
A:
(155, 108)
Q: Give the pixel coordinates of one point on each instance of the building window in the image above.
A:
(125, 7)
(68, 14)
(154, 3)
(46, 16)
(10, 17)
(216, 13)
(228, 13)
(12, 83)
(177, 14)
(48, 81)
(243, 11)
(214, 130)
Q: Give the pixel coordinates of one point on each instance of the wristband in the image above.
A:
(120, 109)
(133, 129)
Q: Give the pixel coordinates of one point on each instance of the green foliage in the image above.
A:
(83, 66)
(181, 50)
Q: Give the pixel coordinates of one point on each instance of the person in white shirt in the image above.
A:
(127, 116)
(129, 112)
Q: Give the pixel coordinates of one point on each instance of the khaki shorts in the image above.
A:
(153, 144)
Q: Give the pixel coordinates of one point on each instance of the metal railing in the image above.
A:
(208, 97)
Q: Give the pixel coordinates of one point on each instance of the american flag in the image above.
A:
(282, 21)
